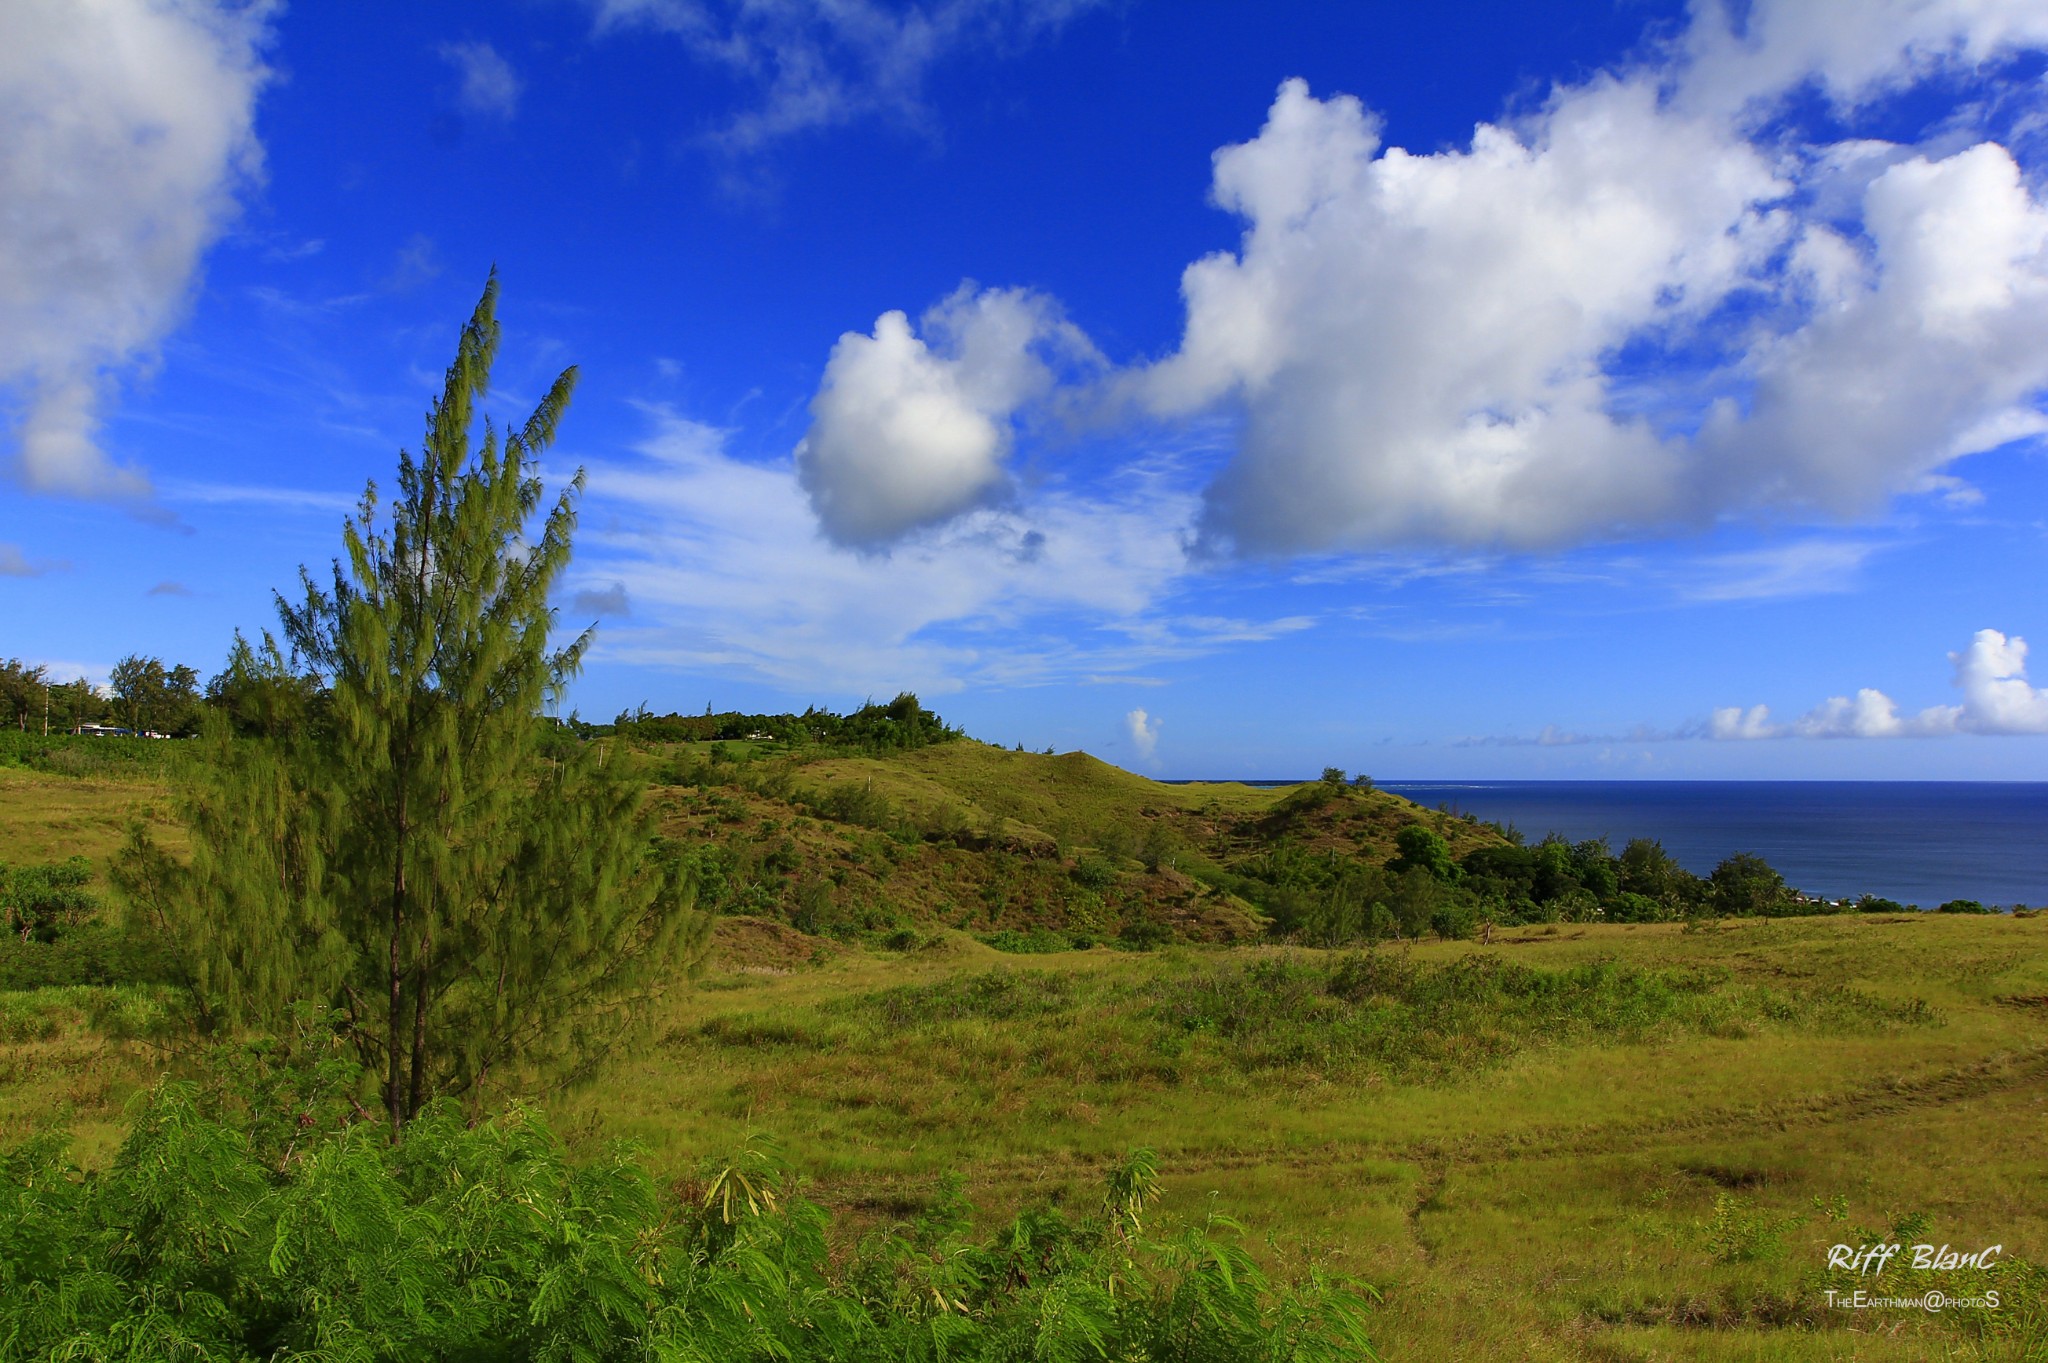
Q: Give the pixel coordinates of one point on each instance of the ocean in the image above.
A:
(1919, 842)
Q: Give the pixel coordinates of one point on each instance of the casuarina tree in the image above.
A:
(474, 899)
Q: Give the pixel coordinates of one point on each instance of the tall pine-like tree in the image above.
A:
(472, 899)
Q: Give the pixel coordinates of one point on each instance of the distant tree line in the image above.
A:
(900, 725)
(256, 691)
(143, 693)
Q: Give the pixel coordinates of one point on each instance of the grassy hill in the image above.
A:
(1575, 1141)
(974, 837)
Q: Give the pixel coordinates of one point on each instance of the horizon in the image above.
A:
(1638, 391)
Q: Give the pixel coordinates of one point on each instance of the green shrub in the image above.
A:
(38, 903)
(1036, 942)
(95, 954)
(1741, 1232)
(992, 995)
(484, 1242)
(1094, 873)
(1144, 935)
(1455, 922)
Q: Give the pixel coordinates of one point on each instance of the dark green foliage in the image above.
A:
(22, 691)
(1871, 903)
(1964, 906)
(1423, 849)
(262, 695)
(30, 703)
(1648, 870)
(93, 954)
(1094, 873)
(1630, 907)
(485, 1243)
(996, 995)
(39, 903)
(1143, 935)
(898, 726)
(151, 697)
(1454, 922)
(1036, 942)
(65, 754)
(474, 900)
(846, 802)
(1745, 885)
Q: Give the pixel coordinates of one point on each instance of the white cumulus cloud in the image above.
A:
(1144, 733)
(1416, 341)
(1851, 49)
(1427, 348)
(1662, 296)
(911, 430)
(1997, 698)
(1873, 714)
(125, 133)
(1991, 673)
(1734, 722)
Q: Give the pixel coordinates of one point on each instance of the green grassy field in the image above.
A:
(1585, 1142)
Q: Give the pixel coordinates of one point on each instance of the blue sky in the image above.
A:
(1616, 389)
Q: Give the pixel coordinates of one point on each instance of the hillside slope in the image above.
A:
(967, 835)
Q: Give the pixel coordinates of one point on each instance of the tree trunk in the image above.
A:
(393, 1097)
(417, 1099)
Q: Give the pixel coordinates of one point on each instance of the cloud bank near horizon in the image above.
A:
(1991, 673)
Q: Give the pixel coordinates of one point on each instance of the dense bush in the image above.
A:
(37, 903)
(97, 953)
(54, 934)
(1036, 942)
(897, 726)
(485, 1242)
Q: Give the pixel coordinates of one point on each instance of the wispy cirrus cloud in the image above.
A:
(489, 87)
(200, 493)
(821, 66)
(1819, 566)
(15, 563)
(728, 573)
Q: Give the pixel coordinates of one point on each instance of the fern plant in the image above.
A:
(473, 1242)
